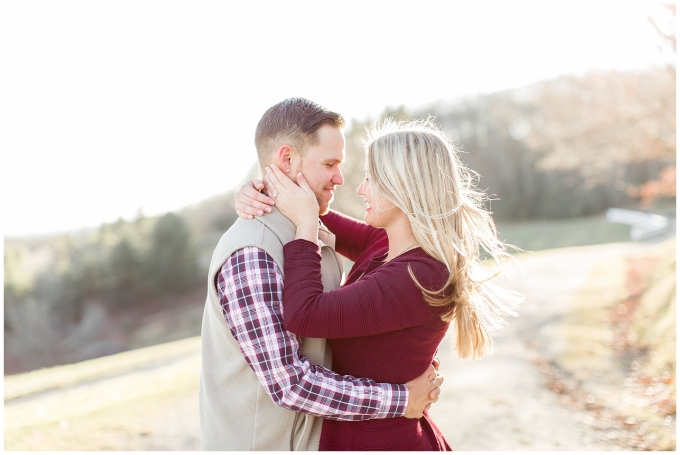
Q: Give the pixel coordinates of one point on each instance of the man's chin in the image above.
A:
(324, 208)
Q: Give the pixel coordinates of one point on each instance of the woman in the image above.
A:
(417, 268)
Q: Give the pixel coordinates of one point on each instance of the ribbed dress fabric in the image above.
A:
(378, 326)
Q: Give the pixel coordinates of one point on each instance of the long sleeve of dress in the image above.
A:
(352, 237)
(384, 300)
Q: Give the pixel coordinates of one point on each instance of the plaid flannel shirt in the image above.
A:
(250, 289)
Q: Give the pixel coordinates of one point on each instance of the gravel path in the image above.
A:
(497, 403)
(500, 402)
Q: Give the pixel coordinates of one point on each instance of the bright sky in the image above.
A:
(109, 106)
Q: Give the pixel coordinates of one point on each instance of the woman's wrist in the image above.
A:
(308, 231)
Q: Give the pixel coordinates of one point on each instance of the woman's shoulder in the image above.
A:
(428, 272)
(422, 264)
(419, 256)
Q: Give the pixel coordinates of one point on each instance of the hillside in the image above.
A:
(146, 399)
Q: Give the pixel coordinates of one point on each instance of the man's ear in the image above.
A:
(286, 157)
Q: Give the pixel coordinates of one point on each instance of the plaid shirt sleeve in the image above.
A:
(250, 288)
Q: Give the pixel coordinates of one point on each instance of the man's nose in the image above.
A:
(338, 179)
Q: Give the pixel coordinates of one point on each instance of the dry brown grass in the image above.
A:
(129, 401)
(619, 357)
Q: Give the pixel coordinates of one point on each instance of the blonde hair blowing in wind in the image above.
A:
(416, 166)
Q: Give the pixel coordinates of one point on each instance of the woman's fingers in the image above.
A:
(302, 183)
(297, 202)
(278, 178)
(273, 182)
(249, 202)
(249, 211)
(278, 172)
(255, 183)
(434, 395)
(251, 196)
(431, 373)
(436, 381)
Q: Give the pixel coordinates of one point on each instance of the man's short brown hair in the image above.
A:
(293, 121)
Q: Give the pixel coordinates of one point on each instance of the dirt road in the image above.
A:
(498, 403)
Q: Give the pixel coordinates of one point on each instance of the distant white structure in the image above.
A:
(642, 225)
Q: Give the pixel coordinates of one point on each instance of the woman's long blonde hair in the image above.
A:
(416, 166)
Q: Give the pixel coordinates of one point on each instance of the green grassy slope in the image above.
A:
(546, 234)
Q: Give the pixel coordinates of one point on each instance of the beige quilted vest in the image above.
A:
(236, 412)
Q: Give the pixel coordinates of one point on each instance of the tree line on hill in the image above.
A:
(59, 291)
(568, 147)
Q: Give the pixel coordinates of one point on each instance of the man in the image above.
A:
(261, 386)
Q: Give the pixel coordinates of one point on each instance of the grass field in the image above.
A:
(129, 401)
(546, 234)
(46, 379)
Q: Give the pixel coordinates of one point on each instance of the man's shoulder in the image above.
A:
(244, 233)
(261, 226)
(264, 233)
(242, 229)
(244, 225)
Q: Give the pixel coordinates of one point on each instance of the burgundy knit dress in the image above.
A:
(378, 326)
